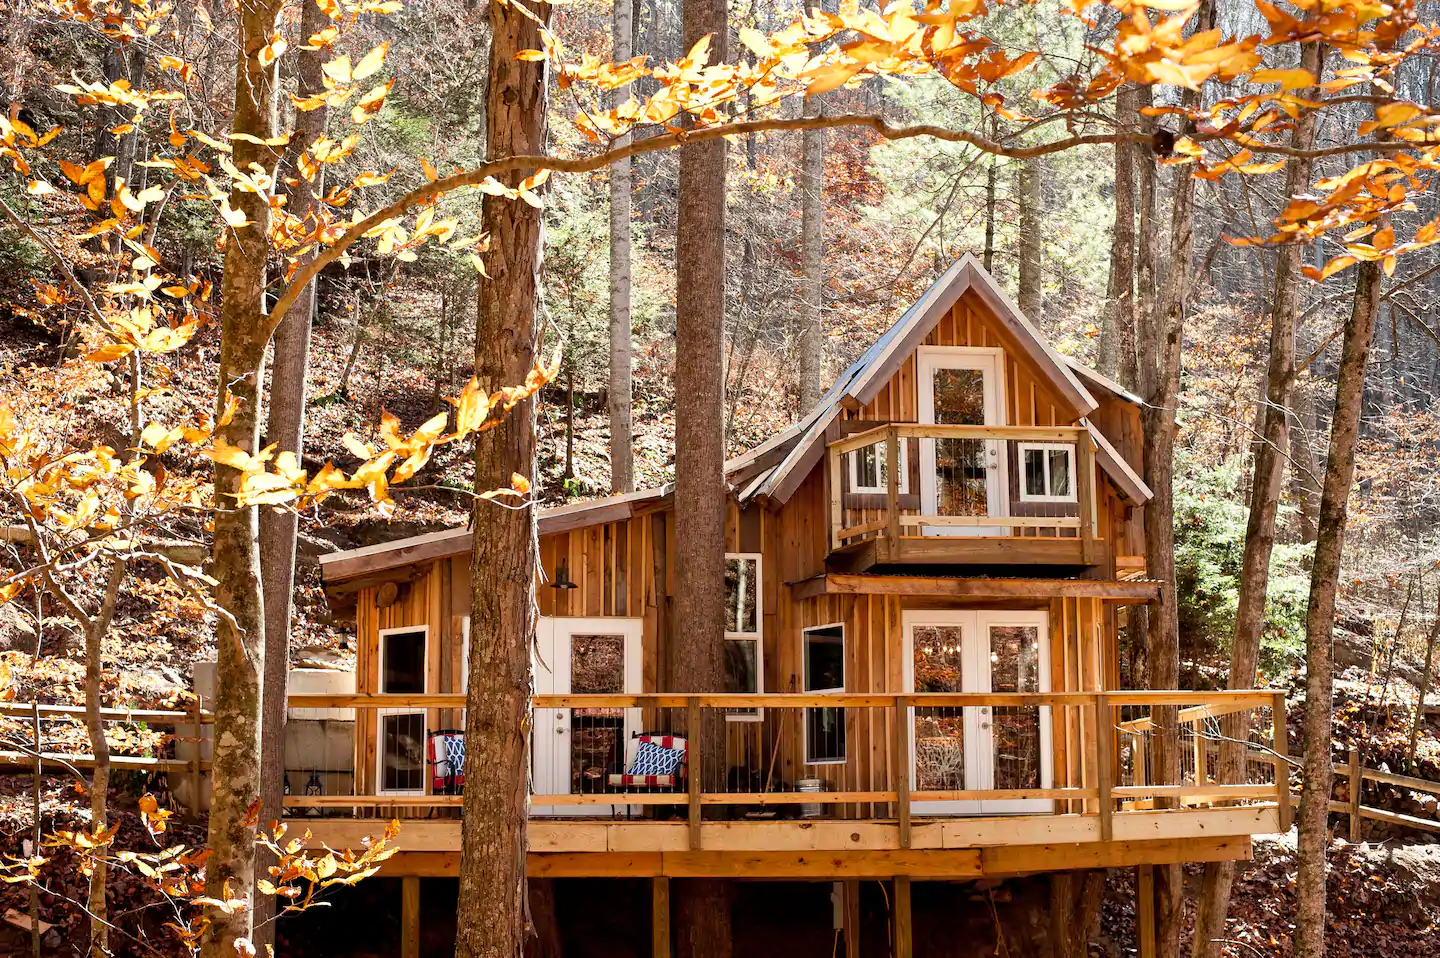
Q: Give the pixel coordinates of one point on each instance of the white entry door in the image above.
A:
(574, 750)
(955, 749)
(961, 478)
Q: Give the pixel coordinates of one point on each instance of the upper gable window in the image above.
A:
(1047, 472)
(868, 472)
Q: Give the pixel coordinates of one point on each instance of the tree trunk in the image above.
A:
(286, 429)
(988, 260)
(1320, 615)
(1304, 470)
(1271, 450)
(620, 393)
(702, 906)
(1075, 899)
(240, 635)
(505, 556)
(1430, 643)
(95, 630)
(1117, 333)
(1031, 283)
(810, 334)
(1160, 346)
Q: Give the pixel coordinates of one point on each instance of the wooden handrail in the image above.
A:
(1239, 699)
(151, 716)
(914, 430)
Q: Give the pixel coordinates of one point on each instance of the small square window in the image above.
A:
(402, 661)
(868, 472)
(1047, 472)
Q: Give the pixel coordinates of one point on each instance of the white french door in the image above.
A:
(975, 747)
(961, 478)
(574, 751)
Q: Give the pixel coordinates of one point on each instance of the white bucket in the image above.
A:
(810, 809)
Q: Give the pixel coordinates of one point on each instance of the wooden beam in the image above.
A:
(1145, 910)
(841, 583)
(660, 917)
(1355, 785)
(1281, 745)
(902, 768)
(695, 763)
(850, 917)
(904, 933)
(410, 917)
(1105, 763)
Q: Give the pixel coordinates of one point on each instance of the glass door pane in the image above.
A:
(938, 653)
(1015, 731)
(960, 466)
(597, 735)
(402, 752)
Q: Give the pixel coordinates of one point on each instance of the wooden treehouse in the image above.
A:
(926, 581)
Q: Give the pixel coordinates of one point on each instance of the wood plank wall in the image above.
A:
(616, 566)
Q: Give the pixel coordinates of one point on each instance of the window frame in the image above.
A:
(805, 687)
(380, 658)
(859, 488)
(1022, 448)
(757, 637)
(380, 716)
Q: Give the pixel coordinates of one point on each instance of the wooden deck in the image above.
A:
(881, 827)
(959, 848)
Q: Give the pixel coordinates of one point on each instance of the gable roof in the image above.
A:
(868, 375)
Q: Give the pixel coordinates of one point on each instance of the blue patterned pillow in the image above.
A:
(652, 759)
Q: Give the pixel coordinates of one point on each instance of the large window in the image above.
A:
(868, 473)
(403, 661)
(744, 618)
(1047, 472)
(824, 651)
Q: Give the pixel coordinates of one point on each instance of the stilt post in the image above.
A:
(1145, 910)
(410, 917)
(660, 917)
(904, 934)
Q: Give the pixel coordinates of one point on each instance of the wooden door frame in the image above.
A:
(989, 360)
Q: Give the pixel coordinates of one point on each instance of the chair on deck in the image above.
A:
(659, 761)
(445, 751)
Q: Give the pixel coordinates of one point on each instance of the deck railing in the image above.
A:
(903, 481)
(886, 757)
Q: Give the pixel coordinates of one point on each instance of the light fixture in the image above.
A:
(313, 789)
(562, 577)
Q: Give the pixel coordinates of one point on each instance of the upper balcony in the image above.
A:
(929, 494)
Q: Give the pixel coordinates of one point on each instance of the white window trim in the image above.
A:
(805, 670)
(1069, 450)
(857, 487)
(380, 663)
(380, 714)
(755, 715)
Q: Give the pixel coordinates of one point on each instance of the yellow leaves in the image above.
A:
(110, 352)
(519, 488)
(1291, 79)
(370, 104)
(371, 62)
(272, 50)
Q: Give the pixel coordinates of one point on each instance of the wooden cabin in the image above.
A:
(925, 583)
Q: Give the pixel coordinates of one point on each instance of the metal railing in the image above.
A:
(886, 757)
(989, 481)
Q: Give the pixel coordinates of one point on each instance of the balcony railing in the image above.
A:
(854, 757)
(905, 492)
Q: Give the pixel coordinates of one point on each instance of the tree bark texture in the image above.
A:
(1117, 334)
(505, 557)
(620, 396)
(95, 628)
(286, 428)
(1320, 615)
(240, 635)
(1271, 451)
(810, 334)
(696, 652)
(1031, 283)
(1160, 348)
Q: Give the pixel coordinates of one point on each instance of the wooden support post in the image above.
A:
(892, 485)
(1197, 746)
(660, 918)
(837, 506)
(1145, 910)
(1281, 745)
(192, 814)
(696, 766)
(904, 935)
(1355, 782)
(1105, 763)
(1138, 751)
(850, 917)
(902, 767)
(410, 917)
(1085, 491)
